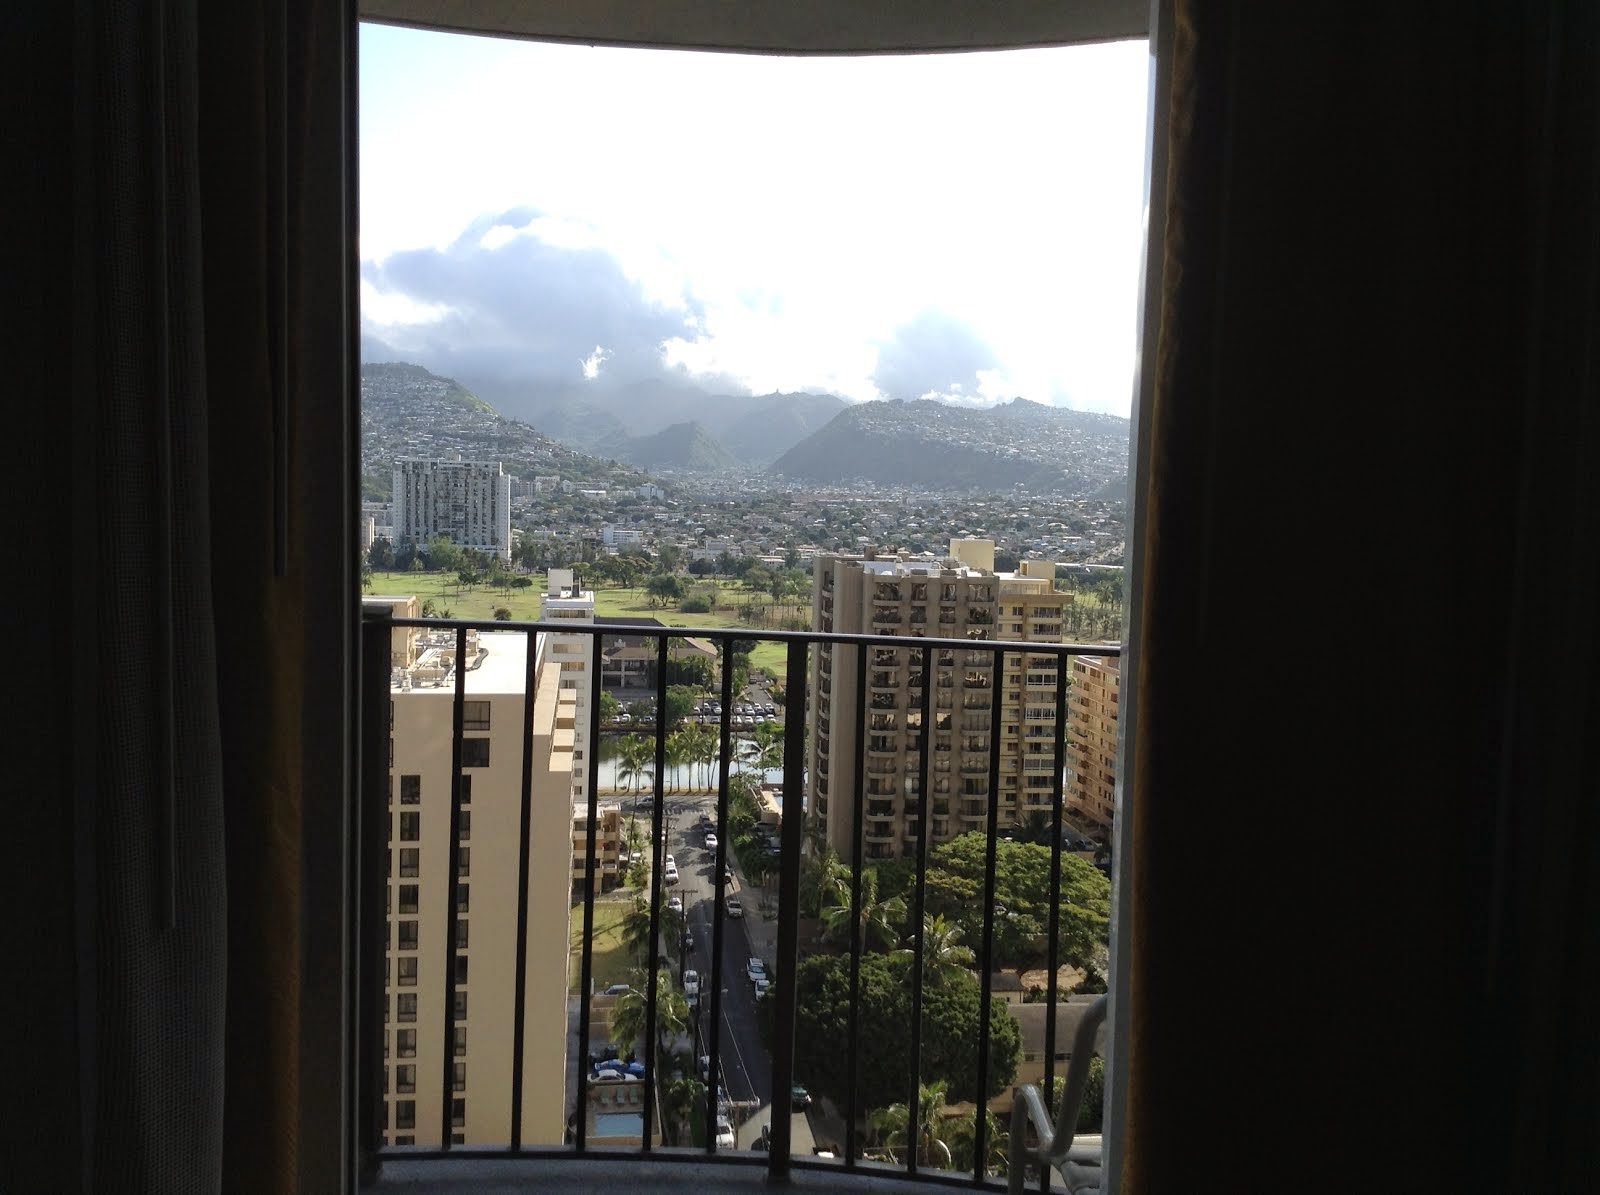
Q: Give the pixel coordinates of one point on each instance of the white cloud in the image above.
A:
(592, 363)
(796, 211)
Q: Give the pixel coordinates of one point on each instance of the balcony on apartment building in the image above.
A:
(763, 1128)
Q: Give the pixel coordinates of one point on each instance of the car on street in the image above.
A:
(670, 872)
(732, 907)
(769, 709)
(799, 1098)
(755, 969)
(724, 1133)
(711, 842)
(688, 940)
(617, 989)
(691, 984)
(675, 903)
(727, 875)
(762, 986)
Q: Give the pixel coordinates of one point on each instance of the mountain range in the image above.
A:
(806, 438)
(928, 444)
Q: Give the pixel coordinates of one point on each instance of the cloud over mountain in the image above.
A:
(932, 353)
(503, 302)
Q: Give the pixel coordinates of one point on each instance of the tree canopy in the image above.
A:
(950, 1032)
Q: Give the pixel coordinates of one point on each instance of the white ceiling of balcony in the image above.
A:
(782, 26)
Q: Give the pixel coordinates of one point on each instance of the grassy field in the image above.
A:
(453, 600)
(609, 960)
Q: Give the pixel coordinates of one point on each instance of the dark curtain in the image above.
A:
(187, 204)
(1364, 849)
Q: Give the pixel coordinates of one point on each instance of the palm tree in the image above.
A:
(880, 921)
(996, 1142)
(895, 1131)
(635, 754)
(628, 1014)
(943, 955)
(677, 752)
(636, 930)
(706, 745)
(824, 881)
(683, 1094)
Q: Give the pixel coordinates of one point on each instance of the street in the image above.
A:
(746, 1066)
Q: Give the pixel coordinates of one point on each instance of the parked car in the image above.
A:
(799, 1098)
(732, 907)
(617, 989)
(762, 986)
(724, 1133)
(670, 872)
(688, 940)
(755, 969)
(675, 903)
(691, 984)
(711, 842)
(769, 709)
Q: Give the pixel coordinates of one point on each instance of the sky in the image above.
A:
(966, 226)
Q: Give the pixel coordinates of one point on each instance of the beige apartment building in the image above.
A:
(1092, 740)
(959, 596)
(419, 865)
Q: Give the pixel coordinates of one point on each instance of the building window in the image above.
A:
(464, 861)
(411, 790)
(406, 1140)
(474, 753)
(405, 1043)
(405, 1007)
(466, 789)
(408, 935)
(460, 1041)
(409, 856)
(461, 1006)
(459, 1076)
(408, 971)
(410, 827)
(458, 1138)
(405, 1078)
(465, 826)
(405, 1114)
(475, 715)
(463, 898)
(458, 1113)
(461, 933)
(461, 968)
(408, 898)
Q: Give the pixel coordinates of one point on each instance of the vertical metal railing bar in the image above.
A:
(918, 915)
(788, 960)
(658, 855)
(519, 995)
(371, 832)
(457, 733)
(1053, 925)
(980, 1119)
(591, 762)
(857, 849)
(724, 767)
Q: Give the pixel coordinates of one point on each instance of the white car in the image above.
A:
(732, 906)
(762, 986)
(711, 842)
(675, 903)
(691, 984)
(724, 1133)
(756, 970)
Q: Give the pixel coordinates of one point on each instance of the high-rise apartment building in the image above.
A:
(565, 600)
(469, 501)
(1092, 740)
(476, 1062)
(961, 597)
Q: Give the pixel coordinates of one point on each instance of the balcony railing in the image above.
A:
(456, 1040)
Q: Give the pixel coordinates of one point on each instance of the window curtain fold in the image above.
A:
(213, 410)
(1364, 875)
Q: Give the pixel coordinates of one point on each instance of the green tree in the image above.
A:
(429, 608)
(897, 1131)
(502, 613)
(635, 761)
(663, 588)
(950, 1036)
(636, 931)
(628, 1015)
(963, 1139)
(443, 555)
(944, 958)
(824, 881)
(381, 554)
(680, 704)
(881, 920)
(684, 1094)
(1091, 1112)
(610, 707)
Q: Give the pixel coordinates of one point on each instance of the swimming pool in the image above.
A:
(619, 1124)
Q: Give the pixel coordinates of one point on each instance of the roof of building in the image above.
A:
(1032, 1018)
